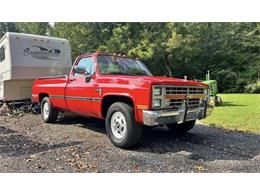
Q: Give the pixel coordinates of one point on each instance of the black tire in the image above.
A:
(133, 130)
(182, 128)
(218, 101)
(52, 113)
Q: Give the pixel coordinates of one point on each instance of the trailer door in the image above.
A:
(5, 73)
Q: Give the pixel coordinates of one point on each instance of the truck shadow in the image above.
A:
(92, 124)
(14, 144)
(202, 143)
(228, 104)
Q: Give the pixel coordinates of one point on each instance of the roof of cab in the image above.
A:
(97, 53)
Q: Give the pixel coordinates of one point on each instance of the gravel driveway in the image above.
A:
(76, 144)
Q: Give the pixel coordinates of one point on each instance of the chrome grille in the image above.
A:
(193, 102)
(183, 90)
(176, 103)
(173, 97)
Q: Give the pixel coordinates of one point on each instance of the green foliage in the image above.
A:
(226, 78)
(229, 50)
(253, 88)
(38, 28)
(76, 33)
(7, 27)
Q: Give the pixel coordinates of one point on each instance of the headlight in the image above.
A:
(157, 91)
(205, 91)
(158, 96)
(157, 103)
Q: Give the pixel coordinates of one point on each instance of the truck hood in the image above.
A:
(150, 80)
(172, 81)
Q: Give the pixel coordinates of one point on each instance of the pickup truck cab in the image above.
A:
(122, 91)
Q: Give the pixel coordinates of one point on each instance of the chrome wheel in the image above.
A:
(118, 125)
(46, 110)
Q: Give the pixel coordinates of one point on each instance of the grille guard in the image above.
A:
(183, 114)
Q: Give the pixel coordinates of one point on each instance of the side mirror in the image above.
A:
(83, 71)
(79, 70)
(88, 77)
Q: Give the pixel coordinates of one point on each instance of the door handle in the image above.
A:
(72, 79)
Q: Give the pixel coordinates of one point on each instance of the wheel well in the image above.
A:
(109, 100)
(41, 96)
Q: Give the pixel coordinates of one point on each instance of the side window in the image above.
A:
(2, 54)
(86, 63)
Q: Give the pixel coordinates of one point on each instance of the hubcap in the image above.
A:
(45, 110)
(118, 125)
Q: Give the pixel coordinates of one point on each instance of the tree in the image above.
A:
(7, 27)
(229, 50)
(38, 28)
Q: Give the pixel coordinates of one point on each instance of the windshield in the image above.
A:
(121, 66)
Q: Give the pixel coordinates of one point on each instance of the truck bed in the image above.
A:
(53, 86)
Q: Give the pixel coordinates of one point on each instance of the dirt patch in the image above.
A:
(76, 144)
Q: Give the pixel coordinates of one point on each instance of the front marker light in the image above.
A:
(156, 103)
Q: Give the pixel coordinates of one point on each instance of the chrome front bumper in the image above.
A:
(184, 113)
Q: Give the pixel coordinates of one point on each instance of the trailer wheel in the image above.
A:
(181, 128)
(49, 114)
(121, 127)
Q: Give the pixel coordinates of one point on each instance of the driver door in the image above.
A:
(79, 92)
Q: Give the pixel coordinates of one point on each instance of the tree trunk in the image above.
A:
(167, 67)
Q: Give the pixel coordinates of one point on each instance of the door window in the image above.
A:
(86, 63)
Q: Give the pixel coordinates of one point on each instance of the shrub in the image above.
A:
(226, 81)
(253, 87)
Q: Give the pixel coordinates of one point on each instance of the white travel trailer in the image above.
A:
(25, 57)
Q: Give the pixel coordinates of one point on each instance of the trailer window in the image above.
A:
(2, 54)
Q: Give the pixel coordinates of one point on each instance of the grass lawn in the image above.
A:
(238, 112)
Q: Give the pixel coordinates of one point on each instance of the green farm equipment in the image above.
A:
(215, 100)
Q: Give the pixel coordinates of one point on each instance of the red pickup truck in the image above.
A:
(122, 91)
